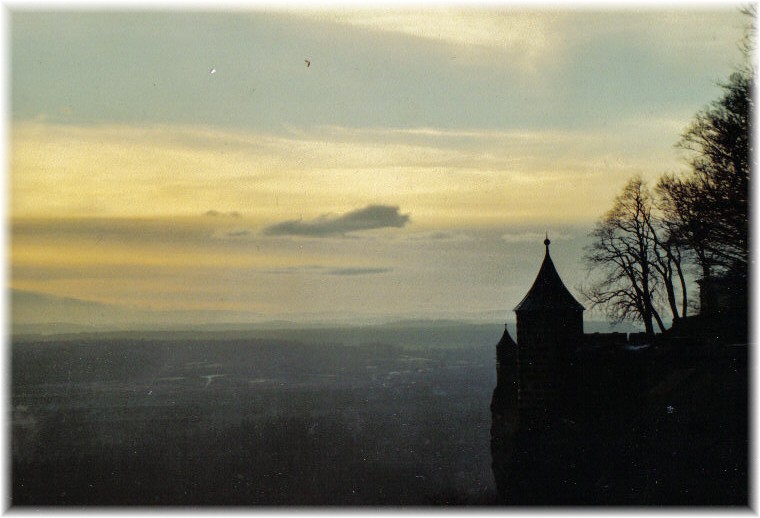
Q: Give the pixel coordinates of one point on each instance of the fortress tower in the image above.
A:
(533, 402)
(504, 350)
(549, 329)
(529, 411)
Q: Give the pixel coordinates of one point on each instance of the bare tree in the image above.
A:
(622, 249)
(636, 261)
(668, 260)
(640, 245)
(708, 206)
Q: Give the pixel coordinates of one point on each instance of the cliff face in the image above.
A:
(654, 425)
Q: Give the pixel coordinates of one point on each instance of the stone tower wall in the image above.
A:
(546, 343)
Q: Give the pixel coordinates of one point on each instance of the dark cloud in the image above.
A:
(322, 270)
(216, 214)
(370, 217)
(238, 233)
(438, 237)
(287, 270)
(358, 271)
(114, 230)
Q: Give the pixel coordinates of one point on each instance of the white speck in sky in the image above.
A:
(212, 71)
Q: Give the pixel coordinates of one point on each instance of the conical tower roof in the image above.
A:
(506, 339)
(548, 292)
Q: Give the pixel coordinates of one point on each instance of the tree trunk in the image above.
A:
(647, 318)
(657, 318)
(672, 298)
(684, 295)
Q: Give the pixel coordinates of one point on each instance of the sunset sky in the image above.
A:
(191, 166)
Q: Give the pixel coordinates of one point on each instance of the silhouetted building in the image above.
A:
(529, 404)
(503, 356)
(723, 309)
(504, 418)
(725, 295)
(602, 418)
(549, 329)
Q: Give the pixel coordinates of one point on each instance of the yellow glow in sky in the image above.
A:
(441, 179)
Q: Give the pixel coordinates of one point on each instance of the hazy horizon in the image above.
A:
(336, 164)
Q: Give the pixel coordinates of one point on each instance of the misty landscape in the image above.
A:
(395, 415)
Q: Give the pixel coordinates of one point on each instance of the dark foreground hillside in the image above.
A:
(123, 421)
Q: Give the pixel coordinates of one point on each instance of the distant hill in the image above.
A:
(29, 310)
(43, 314)
(32, 312)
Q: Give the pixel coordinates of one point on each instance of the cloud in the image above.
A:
(323, 270)
(288, 270)
(443, 177)
(433, 170)
(368, 218)
(358, 271)
(238, 233)
(215, 214)
(526, 35)
(440, 236)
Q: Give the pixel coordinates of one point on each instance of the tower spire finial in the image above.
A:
(546, 241)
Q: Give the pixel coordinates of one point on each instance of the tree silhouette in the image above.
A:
(698, 216)
(707, 208)
(637, 260)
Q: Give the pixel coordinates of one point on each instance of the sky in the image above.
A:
(338, 164)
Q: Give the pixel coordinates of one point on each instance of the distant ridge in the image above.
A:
(42, 314)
